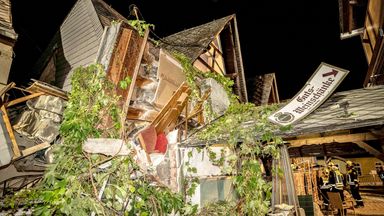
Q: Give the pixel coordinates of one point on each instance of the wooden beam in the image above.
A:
(132, 85)
(15, 147)
(206, 64)
(22, 99)
(6, 88)
(370, 149)
(335, 138)
(35, 148)
(171, 103)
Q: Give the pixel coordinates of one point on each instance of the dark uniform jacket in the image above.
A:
(352, 177)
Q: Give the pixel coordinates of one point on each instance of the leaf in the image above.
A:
(123, 84)
(131, 188)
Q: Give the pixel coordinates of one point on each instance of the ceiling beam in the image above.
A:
(331, 139)
(370, 149)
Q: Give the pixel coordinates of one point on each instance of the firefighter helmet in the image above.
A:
(349, 163)
(326, 171)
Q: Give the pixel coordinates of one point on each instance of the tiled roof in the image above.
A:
(345, 110)
(106, 13)
(194, 41)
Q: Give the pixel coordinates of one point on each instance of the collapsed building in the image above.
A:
(159, 112)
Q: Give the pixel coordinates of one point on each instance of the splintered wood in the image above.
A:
(166, 119)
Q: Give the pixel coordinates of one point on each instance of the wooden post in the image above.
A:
(35, 148)
(25, 98)
(15, 147)
(132, 85)
(186, 119)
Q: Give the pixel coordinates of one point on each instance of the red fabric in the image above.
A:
(161, 143)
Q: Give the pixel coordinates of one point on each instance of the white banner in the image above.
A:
(317, 89)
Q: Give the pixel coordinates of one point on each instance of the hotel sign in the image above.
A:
(317, 89)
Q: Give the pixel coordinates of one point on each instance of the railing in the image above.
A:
(370, 180)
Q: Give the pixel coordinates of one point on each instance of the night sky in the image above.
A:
(289, 38)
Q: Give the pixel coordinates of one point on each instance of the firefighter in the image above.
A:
(336, 180)
(325, 187)
(353, 182)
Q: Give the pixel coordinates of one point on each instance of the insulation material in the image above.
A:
(46, 130)
(42, 118)
(26, 122)
(47, 106)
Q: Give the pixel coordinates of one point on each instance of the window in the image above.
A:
(358, 168)
(378, 165)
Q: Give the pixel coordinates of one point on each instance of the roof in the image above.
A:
(194, 41)
(263, 85)
(344, 110)
(106, 13)
(6, 28)
(77, 41)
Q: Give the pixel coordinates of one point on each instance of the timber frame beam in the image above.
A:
(358, 137)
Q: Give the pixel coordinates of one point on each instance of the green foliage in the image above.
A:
(193, 75)
(248, 143)
(123, 84)
(72, 184)
(140, 26)
(220, 208)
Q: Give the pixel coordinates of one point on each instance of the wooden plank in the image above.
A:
(181, 104)
(335, 138)
(166, 119)
(205, 64)
(172, 114)
(6, 88)
(132, 85)
(171, 103)
(39, 86)
(22, 99)
(370, 149)
(275, 90)
(35, 148)
(135, 113)
(117, 61)
(15, 147)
